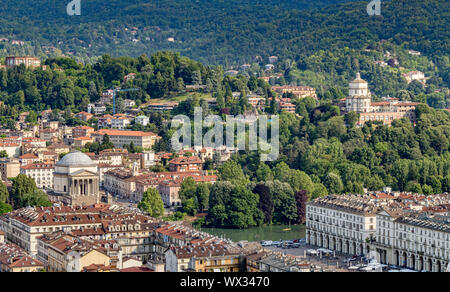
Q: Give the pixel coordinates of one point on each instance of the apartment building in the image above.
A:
(406, 230)
(203, 258)
(12, 148)
(120, 138)
(28, 158)
(33, 142)
(96, 108)
(112, 156)
(133, 184)
(287, 107)
(49, 134)
(120, 122)
(343, 223)
(15, 259)
(169, 235)
(9, 168)
(415, 240)
(27, 61)
(298, 91)
(24, 226)
(104, 122)
(186, 164)
(142, 120)
(80, 142)
(84, 116)
(67, 253)
(41, 173)
(165, 106)
(82, 131)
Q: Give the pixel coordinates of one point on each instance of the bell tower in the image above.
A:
(359, 99)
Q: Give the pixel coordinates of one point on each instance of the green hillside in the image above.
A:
(225, 32)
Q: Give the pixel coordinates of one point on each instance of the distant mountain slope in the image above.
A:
(224, 31)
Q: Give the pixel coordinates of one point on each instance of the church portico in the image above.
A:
(76, 180)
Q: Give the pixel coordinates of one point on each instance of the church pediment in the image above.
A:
(83, 173)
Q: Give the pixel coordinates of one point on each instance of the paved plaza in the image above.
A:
(332, 263)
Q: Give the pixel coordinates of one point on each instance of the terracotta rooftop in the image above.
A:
(125, 133)
(136, 270)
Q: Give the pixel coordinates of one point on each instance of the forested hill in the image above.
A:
(222, 31)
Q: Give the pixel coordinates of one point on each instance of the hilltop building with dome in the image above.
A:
(386, 111)
(76, 180)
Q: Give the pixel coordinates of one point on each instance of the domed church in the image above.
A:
(75, 180)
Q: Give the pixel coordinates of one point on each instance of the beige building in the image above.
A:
(27, 61)
(9, 168)
(82, 131)
(120, 138)
(68, 253)
(12, 148)
(203, 257)
(298, 91)
(49, 134)
(360, 101)
(80, 142)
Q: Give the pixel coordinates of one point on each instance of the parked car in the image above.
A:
(312, 252)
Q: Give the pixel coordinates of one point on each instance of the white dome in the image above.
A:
(75, 158)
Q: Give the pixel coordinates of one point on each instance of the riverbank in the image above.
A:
(271, 232)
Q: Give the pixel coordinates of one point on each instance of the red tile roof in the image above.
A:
(186, 160)
(136, 270)
(125, 133)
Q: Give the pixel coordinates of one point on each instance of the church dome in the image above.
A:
(358, 79)
(75, 158)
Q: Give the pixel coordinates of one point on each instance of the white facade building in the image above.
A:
(419, 242)
(359, 99)
(142, 120)
(41, 173)
(343, 223)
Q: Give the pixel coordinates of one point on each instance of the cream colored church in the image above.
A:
(76, 180)
(387, 110)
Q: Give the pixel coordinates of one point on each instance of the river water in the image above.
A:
(272, 232)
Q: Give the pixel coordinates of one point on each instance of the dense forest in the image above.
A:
(222, 32)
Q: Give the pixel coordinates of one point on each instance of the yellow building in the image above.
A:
(221, 263)
(203, 258)
(68, 253)
(252, 261)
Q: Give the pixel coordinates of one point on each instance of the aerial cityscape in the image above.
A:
(242, 137)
